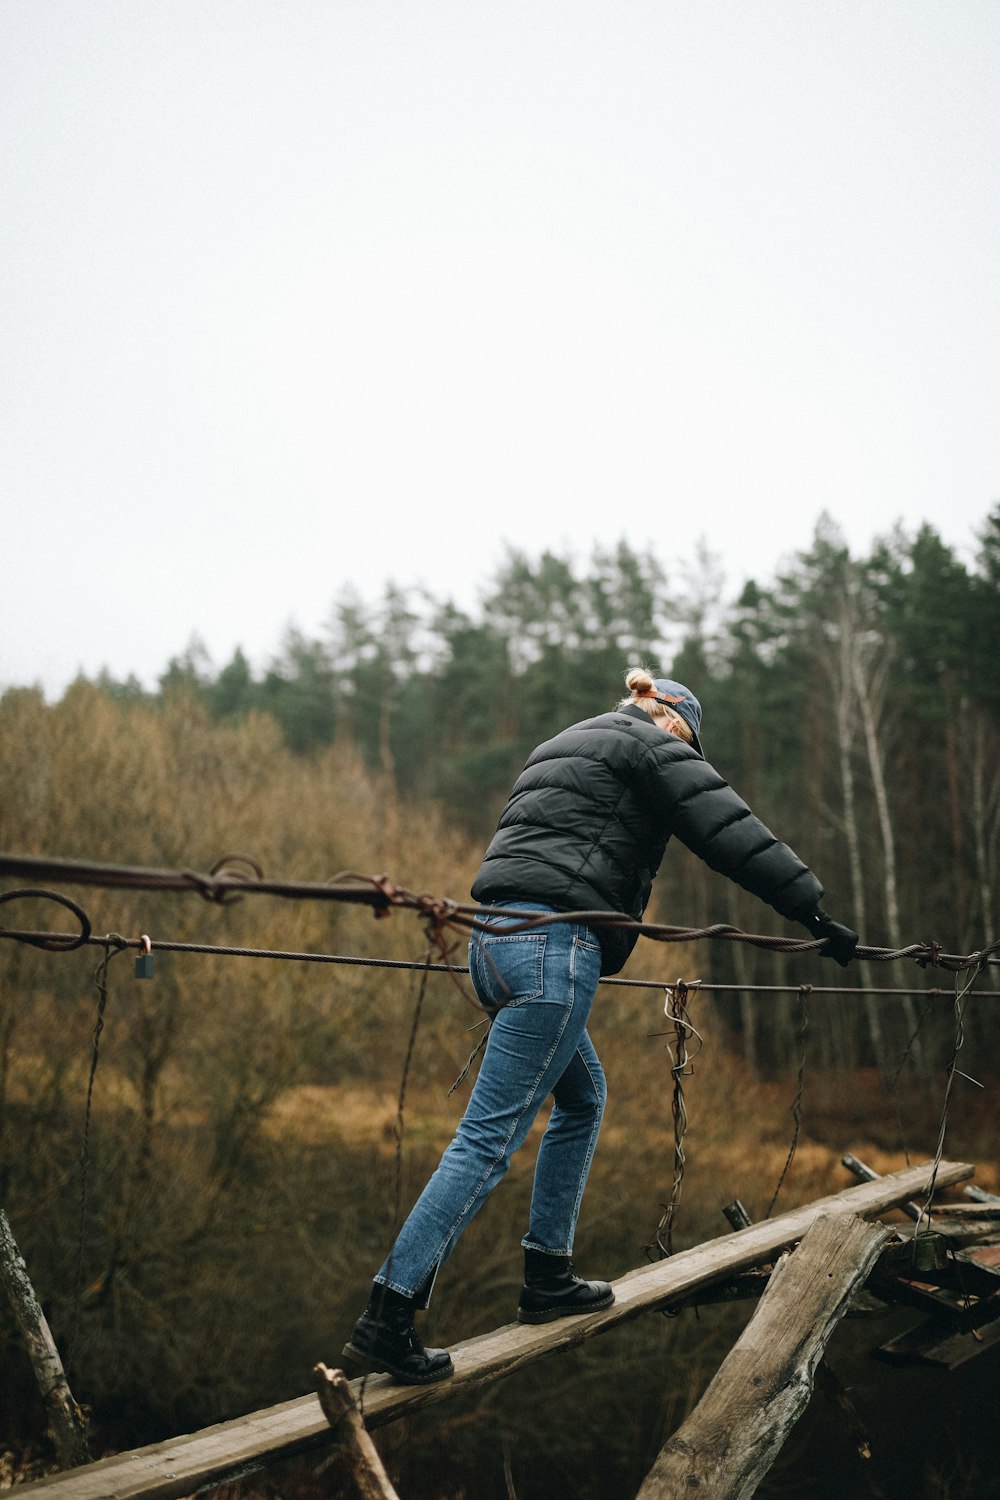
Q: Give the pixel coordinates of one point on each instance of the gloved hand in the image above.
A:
(840, 941)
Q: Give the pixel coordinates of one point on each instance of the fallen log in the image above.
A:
(728, 1443)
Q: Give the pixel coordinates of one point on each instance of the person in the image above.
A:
(584, 830)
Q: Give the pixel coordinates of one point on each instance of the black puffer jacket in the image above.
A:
(590, 815)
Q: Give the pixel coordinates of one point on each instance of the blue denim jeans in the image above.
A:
(541, 984)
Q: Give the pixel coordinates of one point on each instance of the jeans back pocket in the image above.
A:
(507, 968)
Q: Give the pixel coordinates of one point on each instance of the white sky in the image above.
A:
(296, 293)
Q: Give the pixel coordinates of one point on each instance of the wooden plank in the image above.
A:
(942, 1340)
(987, 1256)
(955, 1231)
(980, 1195)
(183, 1464)
(728, 1443)
(988, 1212)
(864, 1173)
(958, 1348)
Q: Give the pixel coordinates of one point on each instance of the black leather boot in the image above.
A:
(551, 1290)
(384, 1339)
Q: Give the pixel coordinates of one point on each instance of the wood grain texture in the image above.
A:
(728, 1443)
(183, 1464)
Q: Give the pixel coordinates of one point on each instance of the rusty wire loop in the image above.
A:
(51, 942)
(681, 1066)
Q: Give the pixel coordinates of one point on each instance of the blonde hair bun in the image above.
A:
(639, 680)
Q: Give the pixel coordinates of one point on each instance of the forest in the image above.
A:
(204, 1231)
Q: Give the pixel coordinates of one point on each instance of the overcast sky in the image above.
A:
(301, 293)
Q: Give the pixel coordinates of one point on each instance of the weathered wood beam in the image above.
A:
(183, 1464)
(988, 1212)
(864, 1173)
(355, 1450)
(928, 1255)
(944, 1339)
(67, 1427)
(728, 1443)
(980, 1195)
(955, 1231)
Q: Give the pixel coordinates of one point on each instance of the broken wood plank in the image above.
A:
(864, 1173)
(957, 1232)
(987, 1255)
(935, 1345)
(736, 1215)
(355, 1448)
(728, 1443)
(927, 1297)
(940, 1340)
(180, 1465)
(743, 1288)
(980, 1195)
(958, 1348)
(929, 1261)
(67, 1427)
(988, 1212)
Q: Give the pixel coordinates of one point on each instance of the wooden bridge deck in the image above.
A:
(184, 1464)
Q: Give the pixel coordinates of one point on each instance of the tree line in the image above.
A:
(853, 701)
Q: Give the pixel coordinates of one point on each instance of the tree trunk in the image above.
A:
(66, 1425)
(846, 693)
(867, 695)
(986, 817)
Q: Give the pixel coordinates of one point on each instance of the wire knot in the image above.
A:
(437, 913)
(932, 957)
(393, 897)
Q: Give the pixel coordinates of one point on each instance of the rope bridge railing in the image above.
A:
(237, 876)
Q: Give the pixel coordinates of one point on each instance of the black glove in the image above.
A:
(840, 941)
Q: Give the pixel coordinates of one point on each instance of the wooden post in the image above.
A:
(732, 1437)
(356, 1449)
(67, 1427)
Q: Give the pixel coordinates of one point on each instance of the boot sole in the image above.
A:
(552, 1313)
(356, 1362)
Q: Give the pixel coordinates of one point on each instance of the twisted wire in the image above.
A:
(681, 1067)
(961, 999)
